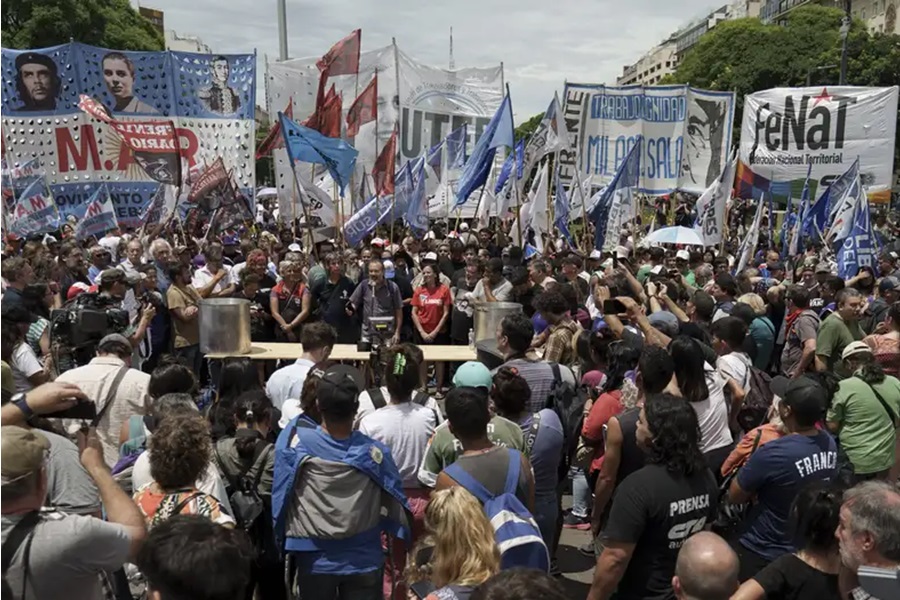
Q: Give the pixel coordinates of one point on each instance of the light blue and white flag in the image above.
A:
(34, 211)
(844, 202)
(858, 248)
(751, 240)
(99, 215)
(416, 214)
(617, 200)
(499, 132)
(561, 208)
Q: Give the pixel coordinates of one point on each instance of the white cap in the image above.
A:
(595, 254)
(49, 239)
(378, 242)
(622, 252)
(463, 226)
(430, 256)
(683, 255)
(295, 248)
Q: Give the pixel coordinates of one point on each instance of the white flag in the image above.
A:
(748, 247)
(710, 222)
(539, 218)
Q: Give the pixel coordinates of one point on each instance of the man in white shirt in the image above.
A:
(286, 384)
(733, 364)
(494, 287)
(111, 367)
(134, 255)
(213, 280)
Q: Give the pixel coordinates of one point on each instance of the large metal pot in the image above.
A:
(225, 326)
(488, 316)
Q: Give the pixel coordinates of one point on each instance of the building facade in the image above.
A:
(186, 43)
(651, 67)
(879, 15)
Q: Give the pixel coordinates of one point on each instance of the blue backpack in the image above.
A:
(516, 532)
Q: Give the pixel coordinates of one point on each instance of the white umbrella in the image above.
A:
(266, 192)
(674, 235)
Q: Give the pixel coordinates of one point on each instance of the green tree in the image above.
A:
(528, 127)
(265, 165)
(746, 55)
(107, 23)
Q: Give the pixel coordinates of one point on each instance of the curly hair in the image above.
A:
(180, 450)
(675, 434)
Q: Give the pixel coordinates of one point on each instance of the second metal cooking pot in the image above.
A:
(488, 316)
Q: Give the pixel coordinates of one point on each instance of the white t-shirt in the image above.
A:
(366, 406)
(405, 429)
(210, 482)
(712, 413)
(287, 382)
(735, 365)
(25, 364)
(501, 291)
(203, 277)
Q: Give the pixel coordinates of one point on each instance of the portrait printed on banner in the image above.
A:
(37, 81)
(219, 97)
(704, 135)
(119, 76)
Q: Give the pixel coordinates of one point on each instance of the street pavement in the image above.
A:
(576, 568)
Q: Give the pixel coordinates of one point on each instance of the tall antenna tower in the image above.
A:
(452, 62)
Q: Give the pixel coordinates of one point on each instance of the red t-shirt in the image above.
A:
(607, 406)
(430, 305)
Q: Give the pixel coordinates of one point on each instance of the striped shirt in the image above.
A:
(539, 375)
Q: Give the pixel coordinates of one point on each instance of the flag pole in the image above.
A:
(399, 132)
(312, 243)
(513, 138)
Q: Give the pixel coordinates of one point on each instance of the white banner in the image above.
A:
(785, 130)
(427, 103)
(686, 133)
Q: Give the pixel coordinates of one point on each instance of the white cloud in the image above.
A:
(541, 43)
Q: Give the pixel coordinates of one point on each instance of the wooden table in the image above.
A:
(288, 351)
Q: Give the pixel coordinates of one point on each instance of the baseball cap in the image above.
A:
(595, 255)
(463, 226)
(682, 255)
(823, 267)
(338, 393)
(295, 247)
(98, 249)
(76, 289)
(888, 284)
(776, 266)
(110, 276)
(803, 394)
(473, 374)
(854, 348)
(889, 255)
(377, 242)
(49, 239)
(430, 256)
(16, 313)
(23, 452)
(665, 322)
(114, 342)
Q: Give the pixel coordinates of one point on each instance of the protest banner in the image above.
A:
(785, 131)
(208, 99)
(686, 133)
(424, 103)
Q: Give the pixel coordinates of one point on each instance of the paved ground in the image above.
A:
(577, 569)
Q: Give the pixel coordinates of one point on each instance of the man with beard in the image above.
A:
(869, 536)
(219, 97)
(37, 82)
(73, 268)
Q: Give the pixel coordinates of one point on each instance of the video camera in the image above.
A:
(78, 327)
(381, 330)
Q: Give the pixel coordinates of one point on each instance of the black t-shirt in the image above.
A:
(790, 578)
(657, 511)
(262, 326)
(330, 302)
(461, 317)
(526, 299)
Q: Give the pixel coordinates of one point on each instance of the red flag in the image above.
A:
(364, 109)
(343, 57)
(212, 177)
(273, 139)
(154, 144)
(327, 118)
(383, 171)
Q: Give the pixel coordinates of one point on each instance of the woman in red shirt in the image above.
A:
(431, 305)
(289, 302)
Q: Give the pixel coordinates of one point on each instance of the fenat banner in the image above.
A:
(209, 99)
(786, 131)
(686, 133)
(426, 103)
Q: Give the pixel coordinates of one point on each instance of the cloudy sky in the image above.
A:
(542, 43)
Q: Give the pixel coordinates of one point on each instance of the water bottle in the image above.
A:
(472, 339)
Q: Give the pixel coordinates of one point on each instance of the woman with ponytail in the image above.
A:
(247, 462)
(404, 426)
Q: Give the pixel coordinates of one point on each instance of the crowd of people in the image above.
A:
(722, 434)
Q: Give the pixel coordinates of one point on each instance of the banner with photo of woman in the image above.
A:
(208, 99)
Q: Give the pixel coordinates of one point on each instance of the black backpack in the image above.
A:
(243, 494)
(757, 402)
(567, 401)
(379, 401)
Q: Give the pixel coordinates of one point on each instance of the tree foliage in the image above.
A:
(107, 23)
(746, 55)
(528, 127)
